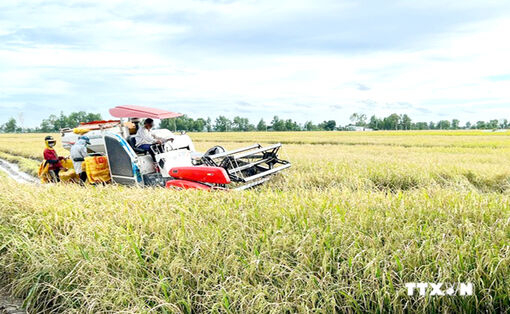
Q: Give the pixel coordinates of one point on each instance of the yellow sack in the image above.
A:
(67, 163)
(43, 172)
(97, 169)
(69, 176)
(80, 131)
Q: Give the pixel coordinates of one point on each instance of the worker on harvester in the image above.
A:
(78, 154)
(145, 139)
(51, 159)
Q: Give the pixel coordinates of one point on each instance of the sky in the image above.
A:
(300, 59)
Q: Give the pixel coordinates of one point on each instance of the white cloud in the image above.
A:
(71, 55)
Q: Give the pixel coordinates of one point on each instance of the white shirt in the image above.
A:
(144, 136)
(78, 150)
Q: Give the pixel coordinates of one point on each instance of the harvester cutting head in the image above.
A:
(249, 166)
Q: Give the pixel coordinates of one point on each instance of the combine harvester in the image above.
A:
(177, 164)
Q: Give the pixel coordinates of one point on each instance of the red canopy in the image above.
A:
(130, 111)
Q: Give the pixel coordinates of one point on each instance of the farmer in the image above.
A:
(144, 138)
(78, 154)
(52, 159)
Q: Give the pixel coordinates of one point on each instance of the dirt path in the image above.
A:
(12, 170)
(10, 305)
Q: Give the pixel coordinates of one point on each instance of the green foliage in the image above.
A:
(277, 124)
(328, 125)
(404, 122)
(443, 125)
(309, 126)
(261, 126)
(391, 122)
(10, 126)
(222, 124)
(242, 124)
(184, 123)
(375, 123)
(359, 119)
(455, 124)
(54, 123)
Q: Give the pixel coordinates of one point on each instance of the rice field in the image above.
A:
(357, 217)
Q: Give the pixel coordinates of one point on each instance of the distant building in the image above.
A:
(358, 128)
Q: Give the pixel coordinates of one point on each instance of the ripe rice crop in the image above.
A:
(356, 217)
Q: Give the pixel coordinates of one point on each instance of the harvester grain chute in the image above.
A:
(176, 164)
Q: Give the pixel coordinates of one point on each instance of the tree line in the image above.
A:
(51, 124)
(240, 124)
(404, 122)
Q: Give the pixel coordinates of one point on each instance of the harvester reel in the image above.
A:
(214, 150)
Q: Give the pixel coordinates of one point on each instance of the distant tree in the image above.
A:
(493, 124)
(51, 123)
(405, 122)
(93, 117)
(10, 126)
(291, 125)
(443, 125)
(329, 125)
(199, 125)
(208, 125)
(375, 123)
(240, 124)
(54, 123)
(46, 126)
(359, 119)
(391, 122)
(481, 125)
(277, 124)
(169, 124)
(455, 124)
(309, 126)
(261, 126)
(223, 124)
(237, 124)
(75, 118)
(182, 123)
(421, 126)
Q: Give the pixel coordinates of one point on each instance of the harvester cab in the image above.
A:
(177, 164)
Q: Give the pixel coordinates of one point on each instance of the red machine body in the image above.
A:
(214, 175)
(184, 184)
